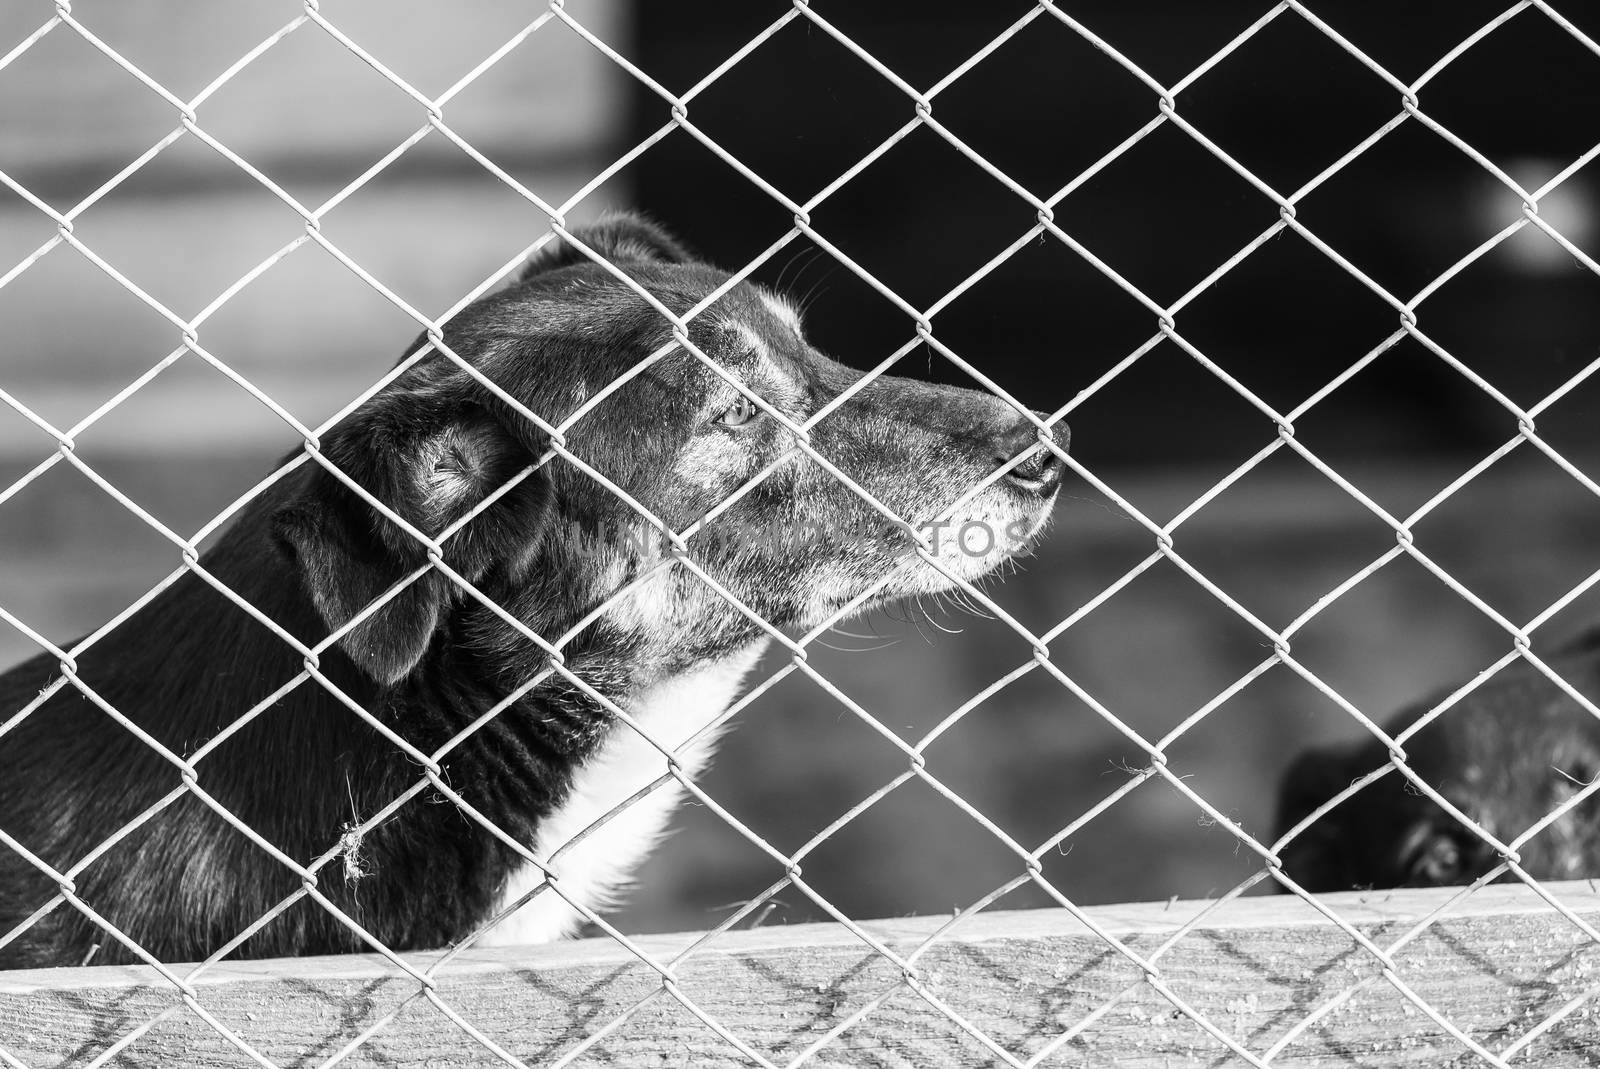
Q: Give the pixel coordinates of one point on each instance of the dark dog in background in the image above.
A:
(310, 554)
(1507, 754)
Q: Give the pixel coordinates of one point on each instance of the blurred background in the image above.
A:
(799, 111)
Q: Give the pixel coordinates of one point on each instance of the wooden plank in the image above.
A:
(1500, 964)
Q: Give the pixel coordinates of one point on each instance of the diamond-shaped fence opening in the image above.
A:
(1215, 623)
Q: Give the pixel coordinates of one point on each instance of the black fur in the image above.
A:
(310, 554)
(620, 239)
(1506, 755)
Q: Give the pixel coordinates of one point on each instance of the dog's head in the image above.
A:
(1513, 752)
(808, 481)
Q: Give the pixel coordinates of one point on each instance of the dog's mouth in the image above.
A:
(965, 548)
(1044, 508)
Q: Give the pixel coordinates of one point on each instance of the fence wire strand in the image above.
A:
(1165, 110)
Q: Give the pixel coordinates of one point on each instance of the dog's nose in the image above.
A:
(1042, 470)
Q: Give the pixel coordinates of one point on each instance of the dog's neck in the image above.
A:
(679, 715)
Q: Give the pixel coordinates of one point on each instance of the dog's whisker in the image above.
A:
(837, 630)
(816, 289)
(856, 649)
(805, 258)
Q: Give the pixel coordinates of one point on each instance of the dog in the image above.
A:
(127, 776)
(1506, 755)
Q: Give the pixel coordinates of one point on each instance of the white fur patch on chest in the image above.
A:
(594, 870)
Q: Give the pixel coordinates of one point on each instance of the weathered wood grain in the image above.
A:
(1497, 967)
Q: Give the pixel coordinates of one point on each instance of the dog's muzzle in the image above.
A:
(1040, 471)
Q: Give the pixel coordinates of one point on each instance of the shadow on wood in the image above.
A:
(1499, 965)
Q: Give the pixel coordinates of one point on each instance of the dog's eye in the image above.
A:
(742, 411)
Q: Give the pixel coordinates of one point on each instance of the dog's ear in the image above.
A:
(1318, 858)
(430, 473)
(619, 238)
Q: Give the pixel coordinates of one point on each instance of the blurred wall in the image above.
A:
(312, 117)
(1046, 106)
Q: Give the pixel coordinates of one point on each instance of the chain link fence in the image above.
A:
(1387, 954)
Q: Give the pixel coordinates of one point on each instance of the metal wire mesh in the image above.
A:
(921, 112)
